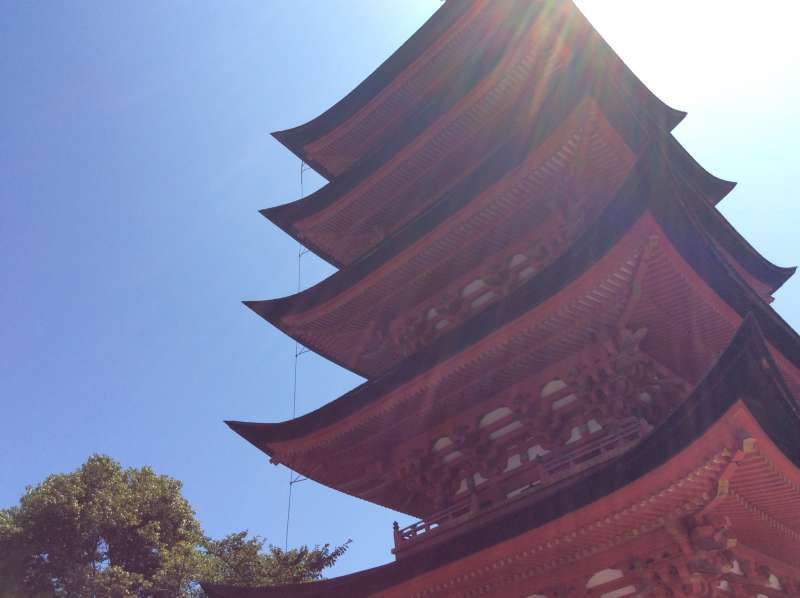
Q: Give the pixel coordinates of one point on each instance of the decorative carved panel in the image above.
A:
(604, 402)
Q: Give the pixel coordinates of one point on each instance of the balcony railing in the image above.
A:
(553, 467)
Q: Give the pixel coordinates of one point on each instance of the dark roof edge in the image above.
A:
(296, 138)
(715, 189)
(694, 243)
(277, 217)
(301, 154)
(269, 309)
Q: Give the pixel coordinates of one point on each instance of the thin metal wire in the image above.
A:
(298, 351)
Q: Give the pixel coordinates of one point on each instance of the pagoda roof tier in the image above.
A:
(710, 494)
(498, 227)
(547, 71)
(687, 298)
(459, 45)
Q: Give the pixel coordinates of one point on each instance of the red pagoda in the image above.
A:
(575, 380)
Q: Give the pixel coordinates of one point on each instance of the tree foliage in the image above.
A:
(104, 531)
(238, 560)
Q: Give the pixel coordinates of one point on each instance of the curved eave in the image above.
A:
(297, 138)
(706, 190)
(595, 56)
(271, 310)
(713, 190)
(285, 139)
(743, 385)
(659, 111)
(463, 193)
(664, 199)
(711, 187)
(254, 433)
(693, 242)
(287, 215)
(278, 216)
(492, 170)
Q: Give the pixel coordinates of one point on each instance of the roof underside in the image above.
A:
(434, 59)
(664, 201)
(745, 375)
(536, 85)
(369, 216)
(528, 67)
(355, 317)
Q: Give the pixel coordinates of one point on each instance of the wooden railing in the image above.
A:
(443, 518)
(554, 467)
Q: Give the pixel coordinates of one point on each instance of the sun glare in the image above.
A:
(689, 52)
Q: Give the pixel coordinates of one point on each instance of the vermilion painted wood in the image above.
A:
(576, 380)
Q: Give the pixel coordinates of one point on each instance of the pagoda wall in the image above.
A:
(504, 236)
(630, 308)
(716, 520)
(538, 344)
(464, 257)
(702, 506)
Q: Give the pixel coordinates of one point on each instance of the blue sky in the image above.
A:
(134, 156)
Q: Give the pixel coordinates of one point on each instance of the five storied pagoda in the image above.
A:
(575, 379)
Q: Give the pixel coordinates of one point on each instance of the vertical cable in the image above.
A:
(298, 351)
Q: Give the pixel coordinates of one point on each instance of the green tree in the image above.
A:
(104, 531)
(237, 560)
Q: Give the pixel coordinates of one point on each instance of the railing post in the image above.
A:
(397, 537)
(473, 502)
